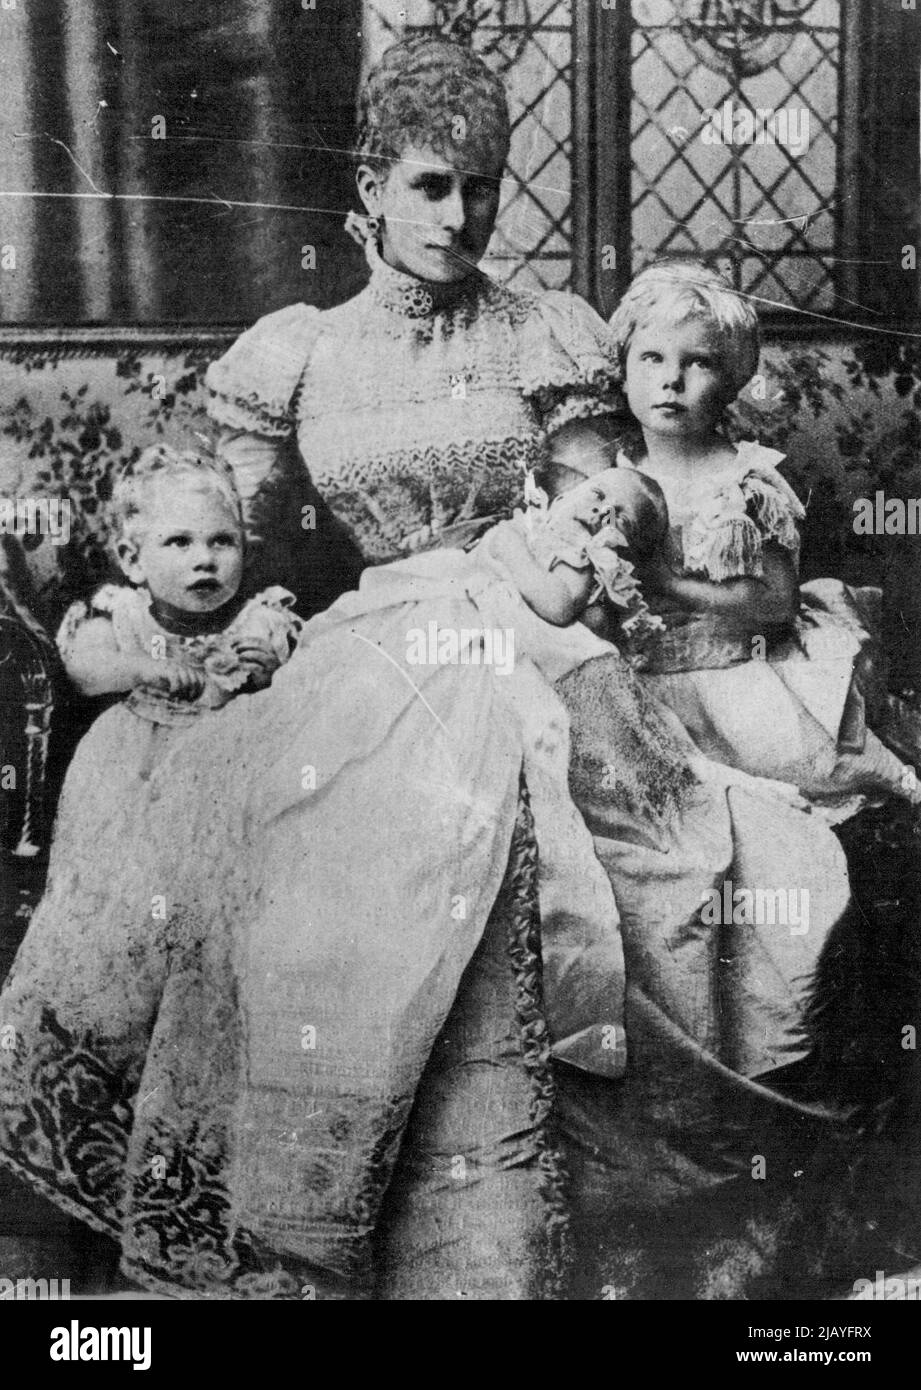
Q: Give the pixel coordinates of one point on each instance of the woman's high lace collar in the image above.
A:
(418, 299)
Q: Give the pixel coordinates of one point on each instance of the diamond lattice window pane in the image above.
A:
(742, 192)
(530, 43)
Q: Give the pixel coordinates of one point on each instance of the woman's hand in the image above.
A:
(708, 770)
(258, 658)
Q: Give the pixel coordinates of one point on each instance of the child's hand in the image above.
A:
(177, 677)
(258, 658)
(598, 620)
(654, 574)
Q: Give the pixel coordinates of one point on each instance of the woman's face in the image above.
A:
(438, 216)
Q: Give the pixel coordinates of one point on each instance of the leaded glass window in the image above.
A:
(530, 43)
(733, 140)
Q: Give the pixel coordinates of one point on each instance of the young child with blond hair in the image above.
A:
(763, 675)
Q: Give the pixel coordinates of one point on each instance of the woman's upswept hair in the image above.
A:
(688, 289)
(415, 95)
(159, 463)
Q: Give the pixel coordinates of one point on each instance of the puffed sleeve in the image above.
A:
(121, 606)
(726, 538)
(269, 616)
(253, 392)
(770, 500)
(568, 362)
(252, 387)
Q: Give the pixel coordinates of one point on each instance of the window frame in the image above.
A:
(877, 40)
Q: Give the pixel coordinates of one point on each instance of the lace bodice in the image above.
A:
(718, 526)
(413, 405)
(718, 523)
(266, 617)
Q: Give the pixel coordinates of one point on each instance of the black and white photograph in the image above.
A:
(460, 659)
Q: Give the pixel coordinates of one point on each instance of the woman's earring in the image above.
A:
(364, 229)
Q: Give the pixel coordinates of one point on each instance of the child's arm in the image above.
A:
(96, 666)
(257, 657)
(754, 603)
(558, 595)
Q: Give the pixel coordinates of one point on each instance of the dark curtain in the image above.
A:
(256, 99)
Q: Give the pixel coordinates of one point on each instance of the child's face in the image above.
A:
(188, 549)
(612, 496)
(438, 216)
(676, 383)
